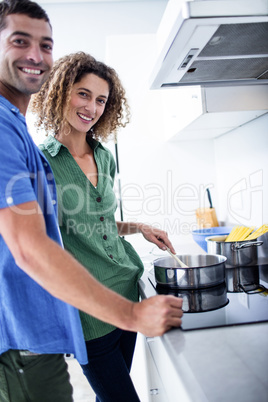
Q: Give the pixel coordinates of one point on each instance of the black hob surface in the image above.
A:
(242, 299)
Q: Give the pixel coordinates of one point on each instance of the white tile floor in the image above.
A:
(82, 389)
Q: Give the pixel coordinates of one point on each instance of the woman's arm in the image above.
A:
(150, 233)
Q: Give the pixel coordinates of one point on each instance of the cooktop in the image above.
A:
(242, 299)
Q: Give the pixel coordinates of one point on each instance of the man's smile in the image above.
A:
(33, 71)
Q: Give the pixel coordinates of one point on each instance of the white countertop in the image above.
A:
(228, 364)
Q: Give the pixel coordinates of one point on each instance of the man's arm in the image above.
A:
(62, 276)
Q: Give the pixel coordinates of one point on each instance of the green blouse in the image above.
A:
(88, 226)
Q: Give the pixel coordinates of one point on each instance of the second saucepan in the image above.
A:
(238, 253)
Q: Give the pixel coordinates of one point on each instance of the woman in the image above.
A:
(82, 102)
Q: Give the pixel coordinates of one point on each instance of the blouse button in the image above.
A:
(104, 237)
(101, 218)
(98, 199)
(111, 256)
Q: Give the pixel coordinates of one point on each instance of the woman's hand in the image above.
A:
(156, 236)
(150, 233)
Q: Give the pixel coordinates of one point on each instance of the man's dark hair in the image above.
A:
(25, 7)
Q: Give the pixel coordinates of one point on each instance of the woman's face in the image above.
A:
(87, 102)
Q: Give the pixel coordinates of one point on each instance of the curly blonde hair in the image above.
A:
(49, 103)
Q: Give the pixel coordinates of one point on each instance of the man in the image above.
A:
(40, 282)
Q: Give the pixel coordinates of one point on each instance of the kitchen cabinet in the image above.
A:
(164, 383)
(155, 388)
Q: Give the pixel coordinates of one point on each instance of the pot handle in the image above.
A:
(236, 246)
(258, 289)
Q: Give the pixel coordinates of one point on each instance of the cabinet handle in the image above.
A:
(154, 391)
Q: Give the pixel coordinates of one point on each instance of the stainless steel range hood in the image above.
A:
(208, 43)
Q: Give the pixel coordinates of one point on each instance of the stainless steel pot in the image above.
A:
(243, 279)
(203, 270)
(238, 253)
(199, 300)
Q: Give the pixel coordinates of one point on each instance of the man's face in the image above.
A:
(25, 53)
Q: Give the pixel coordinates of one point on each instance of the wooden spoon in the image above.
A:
(181, 264)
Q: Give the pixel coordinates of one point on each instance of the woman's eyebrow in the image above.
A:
(89, 91)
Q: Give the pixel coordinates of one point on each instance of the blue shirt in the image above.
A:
(30, 318)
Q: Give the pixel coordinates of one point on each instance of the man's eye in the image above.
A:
(19, 41)
(47, 47)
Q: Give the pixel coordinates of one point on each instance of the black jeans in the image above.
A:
(110, 359)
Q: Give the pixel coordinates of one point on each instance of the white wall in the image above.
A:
(242, 173)
(85, 26)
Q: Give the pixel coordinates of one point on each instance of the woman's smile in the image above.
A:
(85, 118)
